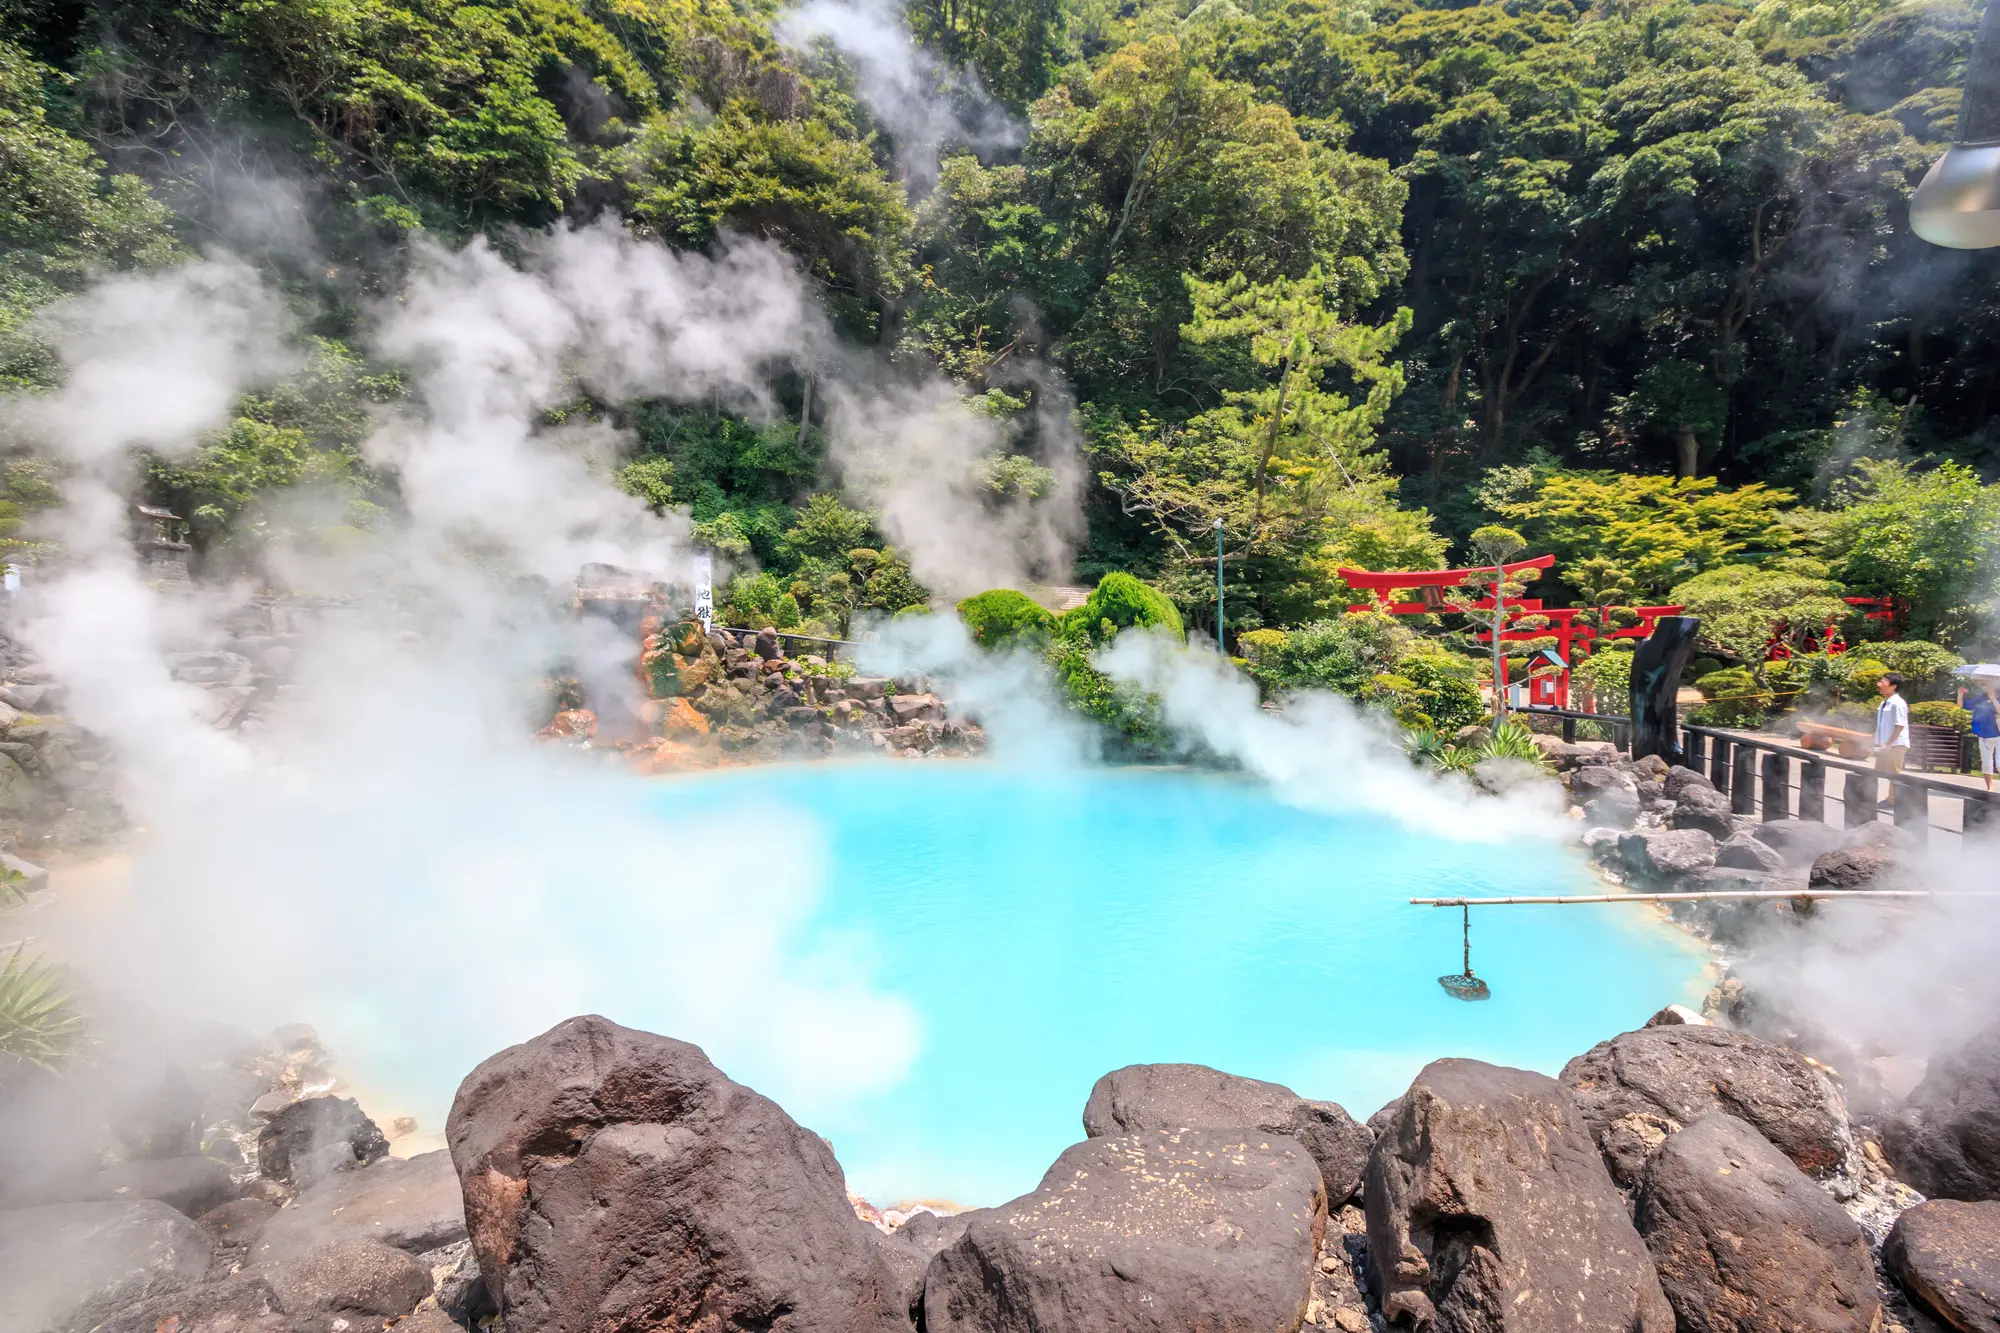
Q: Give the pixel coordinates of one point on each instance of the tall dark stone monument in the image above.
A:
(1656, 679)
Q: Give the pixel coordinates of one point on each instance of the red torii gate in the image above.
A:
(1549, 690)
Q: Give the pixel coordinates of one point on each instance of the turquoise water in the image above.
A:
(1048, 927)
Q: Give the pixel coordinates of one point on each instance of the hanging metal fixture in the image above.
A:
(1465, 986)
(1958, 203)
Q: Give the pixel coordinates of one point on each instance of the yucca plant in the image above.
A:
(1511, 740)
(38, 1018)
(1424, 745)
(1427, 746)
(39, 1022)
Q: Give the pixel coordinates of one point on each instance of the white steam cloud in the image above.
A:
(393, 855)
(924, 105)
(913, 453)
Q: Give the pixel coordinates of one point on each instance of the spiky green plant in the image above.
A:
(1511, 740)
(39, 1021)
(1428, 747)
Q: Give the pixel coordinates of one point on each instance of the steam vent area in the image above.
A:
(999, 666)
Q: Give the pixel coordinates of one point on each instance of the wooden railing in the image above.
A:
(1756, 773)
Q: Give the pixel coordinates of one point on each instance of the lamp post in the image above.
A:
(1957, 205)
(1219, 563)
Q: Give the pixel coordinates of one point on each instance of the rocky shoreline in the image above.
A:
(1730, 1170)
(1681, 1176)
(719, 698)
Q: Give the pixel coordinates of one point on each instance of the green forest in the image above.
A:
(1629, 282)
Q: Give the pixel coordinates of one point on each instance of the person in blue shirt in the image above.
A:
(1985, 709)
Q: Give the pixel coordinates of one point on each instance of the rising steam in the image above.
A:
(923, 104)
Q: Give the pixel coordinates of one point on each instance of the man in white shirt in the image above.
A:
(1892, 724)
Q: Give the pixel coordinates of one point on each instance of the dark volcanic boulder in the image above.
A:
(1743, 852)
(69, 1265)
(1585, 783)
(1652, 768)
(1679, 781)
(1640, 1086)
(1946, 1140)
(318, 1136)
(348, 1244)
(1613, 807)
(1854, 868)
(237, 1224)
(617, 1180)
(238, 1303)
(1706, 809)
(411, 1204)
(1141, 1097)
(1663, 854)
(190, 1185)
(349, 1277)
(1489, 1210)
(1799, 841)
(1946, 1254)
(1744, 1241)
(1169, 1229)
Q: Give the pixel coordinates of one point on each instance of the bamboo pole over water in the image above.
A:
(1773, 894)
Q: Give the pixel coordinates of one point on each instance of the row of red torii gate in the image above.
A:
(1548, 681)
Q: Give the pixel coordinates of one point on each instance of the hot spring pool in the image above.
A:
(930, 963)
(1050, 927)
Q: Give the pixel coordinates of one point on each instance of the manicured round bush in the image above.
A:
(1255, 643)
(1858, 675)
(1734, 697)
(1123, 602)
(1941, 713)
(1003, 617)
(1924, 667)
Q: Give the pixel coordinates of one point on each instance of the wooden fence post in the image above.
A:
(1743, 781)
(1913, 808)
(1812, 791)
(1777, 786)
(1857, 798)
(1976, 812)
(1718, 763)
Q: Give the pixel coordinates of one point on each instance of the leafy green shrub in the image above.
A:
(1344, 655)
(753, 601)
(1941, 713)
(1925, 667)
(1121, 602)
(1703, 666)
(1607, 674)
(1003, 617)
(1734, 697)
(1444, 685)
(1809, 681)
(1130, 717)
(1253, 644)
(1858, 674)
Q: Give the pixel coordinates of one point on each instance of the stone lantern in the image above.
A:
(163, 557)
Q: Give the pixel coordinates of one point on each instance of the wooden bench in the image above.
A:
(1935, 749)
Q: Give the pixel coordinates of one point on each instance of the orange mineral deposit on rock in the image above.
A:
(571, 722)
(681, 719)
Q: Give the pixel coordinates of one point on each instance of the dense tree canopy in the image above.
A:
(1352, 278)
